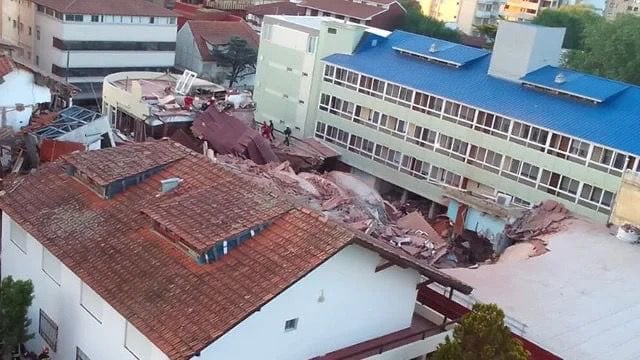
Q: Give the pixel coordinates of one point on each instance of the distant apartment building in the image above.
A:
(526, 10)
(443, 10)
(18, 26)
(616, 7)
(475, 13)
(256, 13)
(424, 114)
(82, 41)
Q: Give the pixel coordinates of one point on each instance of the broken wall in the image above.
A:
(485, 225)
(625, 209)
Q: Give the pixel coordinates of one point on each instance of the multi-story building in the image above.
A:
(614, 7)
(18, 27)
(526, 10)
(152, 251)
(443, 10)
(474, 13)
(385, 14)
(424, 114)
(82, 41)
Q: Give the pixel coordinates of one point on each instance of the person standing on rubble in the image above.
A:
(287, 136)
(271, 130)
(264, 130)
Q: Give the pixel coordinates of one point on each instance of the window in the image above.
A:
(37, 60)
(51, 265)
(329, 71)
(387, 156)
(37, 34)
(484, 159)
(414, 167)
(422, 136)
(398, 95)
(361, 146)
(91, 301)
(332, 31)
(371, 86)
(312, 42)
(95, 18)
(136, 343)
(80, 355)
(559, 185)
(18, 236)
(172, 20)
(152, 20)
(291, 324)
(48, 330)
(325, 100)
(72, 17)
(30, 30)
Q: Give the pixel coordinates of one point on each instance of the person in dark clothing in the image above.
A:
(287, 136)
(271, 130)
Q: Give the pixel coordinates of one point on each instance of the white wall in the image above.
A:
(187, 53)
(51, 27)
(359, 305)
(19, 87)
(76, 327)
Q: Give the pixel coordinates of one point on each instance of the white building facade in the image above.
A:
(306, 320)
(19, 96)
(83, 48)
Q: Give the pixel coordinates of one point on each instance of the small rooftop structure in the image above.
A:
(440, 51)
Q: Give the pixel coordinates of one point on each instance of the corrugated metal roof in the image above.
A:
(440, 50)
(614, 123)
(575, 83)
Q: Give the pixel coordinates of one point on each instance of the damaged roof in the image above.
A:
(112, 246)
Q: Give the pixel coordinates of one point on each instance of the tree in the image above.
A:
(416, 22)
(481, 335)
(575, 18)
(611, 49)
(488, 31)
(15, 299)
(238, 57)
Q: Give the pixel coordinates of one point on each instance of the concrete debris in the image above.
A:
(345, 198)
(545, 218)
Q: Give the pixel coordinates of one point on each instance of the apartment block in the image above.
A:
(474, 13)
(526, 10)
(82, 41)
(616, 7)
(425, 114)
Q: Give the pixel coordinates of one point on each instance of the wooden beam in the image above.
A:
(386, 265)
(424, 283)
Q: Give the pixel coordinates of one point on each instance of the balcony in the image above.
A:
(422, 337)
(484, 14)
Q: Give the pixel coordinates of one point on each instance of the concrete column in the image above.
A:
(432, 210)
(405, 195)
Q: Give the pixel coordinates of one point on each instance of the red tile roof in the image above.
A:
(107, 7)
(344, 7)
(223, 212)
(276, 8)
(180, 306)
(6, 65)
(131, 160)
(220, 33)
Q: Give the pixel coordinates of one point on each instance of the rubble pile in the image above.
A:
(345, 198)
(545, 218)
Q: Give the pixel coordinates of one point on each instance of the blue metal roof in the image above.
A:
(614, 123)
(575, 83)
(442, 50)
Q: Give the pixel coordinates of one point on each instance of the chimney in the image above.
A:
(169, 184)
(521, 48)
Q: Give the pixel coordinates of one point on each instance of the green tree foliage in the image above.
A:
(576, 18)
(238, 57)
(488, 31)
(481, 335)
(416, 22)
(611, 49)
(15, 299)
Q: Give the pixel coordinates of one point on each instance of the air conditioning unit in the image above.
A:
(504, 200)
